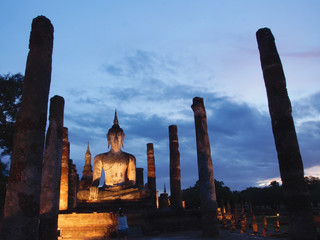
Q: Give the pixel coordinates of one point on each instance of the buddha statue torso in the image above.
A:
(119, 169)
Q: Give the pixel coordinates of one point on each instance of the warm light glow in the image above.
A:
(157, 198)
(88, 225)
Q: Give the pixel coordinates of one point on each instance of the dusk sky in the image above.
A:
(149, 59)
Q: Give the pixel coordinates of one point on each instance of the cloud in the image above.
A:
(142, 66)
(313, 53)
(150, 94)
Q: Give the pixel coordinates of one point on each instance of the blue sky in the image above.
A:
(148, 59)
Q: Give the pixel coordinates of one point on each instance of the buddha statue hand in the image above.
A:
(94, 191)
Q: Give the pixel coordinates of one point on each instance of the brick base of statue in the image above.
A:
(114, 194)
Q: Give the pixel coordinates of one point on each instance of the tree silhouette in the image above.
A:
(10, 99)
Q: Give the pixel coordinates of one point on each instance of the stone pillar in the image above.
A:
(64, 182)
(243, 223)
(73, 186)
(87, 173)
(228, 209)
(151, 173)
(205, 169)
(254, 224)
(51, 172)
(242, 207)
(264, 226)
(276, 225)
(175, 178)
(22, 204)
(235, 212)
(139, 178)
(301, 222)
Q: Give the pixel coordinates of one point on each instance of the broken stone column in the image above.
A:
(205, 169)
(64, 182)
(242, 207)
(301, 222)
(254, 224)
(229, 210)
(264, 222)
(264, 226)
(235, 212)
(151, 173)
(276, 224)
(22, 204)
(175, 178)
(51, 172)
(139, 178)
(243, 222)
(87, 173)
(233, 225)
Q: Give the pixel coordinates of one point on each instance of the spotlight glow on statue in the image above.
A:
(119, 167)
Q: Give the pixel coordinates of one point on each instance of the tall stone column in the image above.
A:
(73, 186)
(151, 173)
(301, 222)
(51, 172)
(22, 204)
(64, 182)
(205, 169)
(175, 178)
(139, 178)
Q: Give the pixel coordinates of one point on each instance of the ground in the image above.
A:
(196, 235)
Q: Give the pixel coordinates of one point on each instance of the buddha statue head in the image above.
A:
(115, 136)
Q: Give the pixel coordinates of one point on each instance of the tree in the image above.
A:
(191, 195)
(313, 184)
(223, 193)
(10, 99)
(270, 196)
(3, 183)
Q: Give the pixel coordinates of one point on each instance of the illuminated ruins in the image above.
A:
(84, 209)
(95, 204)
(120, 173)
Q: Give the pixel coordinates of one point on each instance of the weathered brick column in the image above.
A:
(21, 212)
(139, 178)
(64, 182)
(205, 169)
(151, 173)
(73, 185)
(301, 222)
(175, 177)
(51, 172)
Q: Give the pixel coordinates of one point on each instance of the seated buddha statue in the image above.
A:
(119, 167)
(120, 172)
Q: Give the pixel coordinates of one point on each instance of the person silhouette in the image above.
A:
(123, 228)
